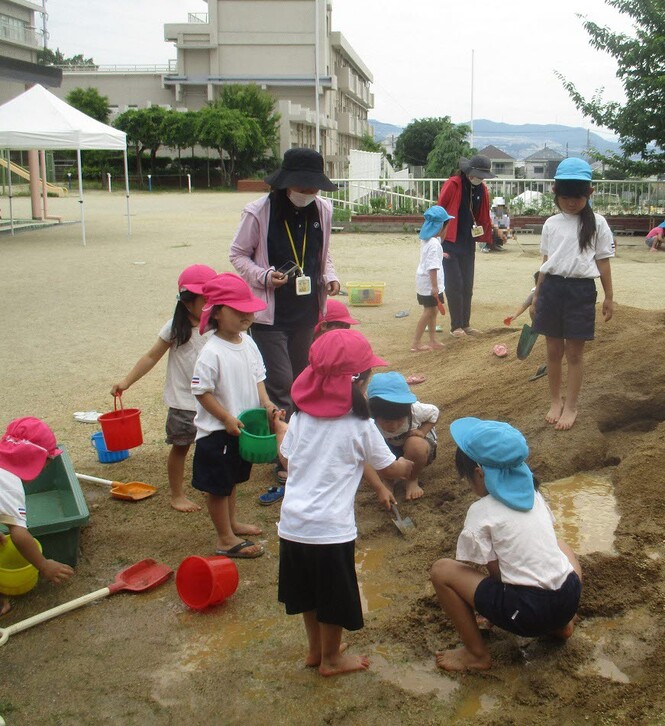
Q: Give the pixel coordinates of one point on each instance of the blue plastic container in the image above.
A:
(103, 454)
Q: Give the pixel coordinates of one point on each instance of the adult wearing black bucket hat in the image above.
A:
(465, 196)
(288, 228)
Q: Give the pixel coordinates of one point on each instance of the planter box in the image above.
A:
(252, 185)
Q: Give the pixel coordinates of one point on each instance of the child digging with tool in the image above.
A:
(534, 581)
(26, 447)
(180, 337)
(429, 277)
(325, 445)
(228, 378)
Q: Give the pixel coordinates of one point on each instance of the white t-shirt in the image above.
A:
(524, 543)
(180, 366)
(502, 221)
(420, 413)
(12, 499)
(231, 372)
(431, 257)
(326, 458)
(560, 242)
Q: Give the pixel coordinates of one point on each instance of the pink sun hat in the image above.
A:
(228, 289)
(324, 388)
(25, 446)
(336, 312)
(194, 277)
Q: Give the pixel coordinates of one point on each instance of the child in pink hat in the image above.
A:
(180, 337)
(325, 445)
(25, 448)
(228, 378)
(337, 317)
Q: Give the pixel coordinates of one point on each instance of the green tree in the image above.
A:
(639, 121)
(179, 131)
(259, 105)
(231, 133)
(143, 127)
(449, 145)
(91, 102)
(417, 140)
(367, 143)
(48, 57)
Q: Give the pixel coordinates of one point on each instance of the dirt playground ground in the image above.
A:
(74, 320)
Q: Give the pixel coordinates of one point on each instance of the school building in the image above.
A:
(273, 43)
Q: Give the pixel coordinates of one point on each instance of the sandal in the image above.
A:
(280, 475)
(237, 551)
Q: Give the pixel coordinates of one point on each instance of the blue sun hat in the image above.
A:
(501, 451)
(662, 224)
(573, 168)
(435, 218)
(391, 387)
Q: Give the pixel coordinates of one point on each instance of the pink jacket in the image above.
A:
(249, 254)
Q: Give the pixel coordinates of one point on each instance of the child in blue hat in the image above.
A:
(406, 424)
(429, 276)
(577, 245)
(535, 581)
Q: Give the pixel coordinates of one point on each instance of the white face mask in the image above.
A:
(475, 181)
(300, 200)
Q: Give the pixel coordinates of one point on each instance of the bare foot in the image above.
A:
(5, 606)
(435, 345)
(253, 550)
(554, 413)
(483, 623)
(344, 664)
(461, 659)
(245, 530)
(412, 490)
(420, 348)
(182, 504)
(566, 420)
(567, 630)
(314, 659)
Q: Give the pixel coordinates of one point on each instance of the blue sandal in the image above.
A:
(274, 494)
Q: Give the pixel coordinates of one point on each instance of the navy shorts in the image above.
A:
(428, 301)
(528, 611)
(566, 308)
(217, 466)
(320, 578)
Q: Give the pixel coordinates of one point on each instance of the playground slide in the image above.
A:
(25, 174)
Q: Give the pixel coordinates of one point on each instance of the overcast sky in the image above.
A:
(419, 51)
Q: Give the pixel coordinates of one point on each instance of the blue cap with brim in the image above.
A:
(501, 451)
(662, 224)
(435, 218)
(574, 169)
(391, 387)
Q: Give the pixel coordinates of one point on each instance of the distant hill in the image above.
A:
(521, 140)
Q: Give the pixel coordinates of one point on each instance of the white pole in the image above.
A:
(129, 219)
(78, 161)
(189, 183)
(11, 197)
(316, 74)
(108, 177)
(472, 98)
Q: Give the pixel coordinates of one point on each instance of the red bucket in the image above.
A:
(206, 581)
(122, 429)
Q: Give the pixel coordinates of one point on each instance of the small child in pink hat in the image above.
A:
(325, 445)
(228, 378)
(25, 448)
(337, 317)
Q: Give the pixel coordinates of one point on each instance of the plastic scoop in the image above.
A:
(141, 576)
(441, 306)
(526, 342)
(404, 525)
(132, 491)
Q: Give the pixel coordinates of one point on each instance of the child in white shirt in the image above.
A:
(535, 581)
(325, 445)
(429, 277)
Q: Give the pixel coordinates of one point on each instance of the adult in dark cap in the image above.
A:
(290, 227)
(465, 196)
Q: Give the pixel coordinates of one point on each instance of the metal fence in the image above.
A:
(522, 196)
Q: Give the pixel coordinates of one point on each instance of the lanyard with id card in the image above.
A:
(476, 229)
(303, 282)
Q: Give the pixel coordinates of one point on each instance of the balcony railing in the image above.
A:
(25, 36)
(197, 18)
(170, 68)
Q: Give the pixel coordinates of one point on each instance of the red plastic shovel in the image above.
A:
(144, 575)
(441, 307)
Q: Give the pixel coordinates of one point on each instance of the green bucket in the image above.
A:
(257, 444)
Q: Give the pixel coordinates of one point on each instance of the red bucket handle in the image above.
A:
(118, 397)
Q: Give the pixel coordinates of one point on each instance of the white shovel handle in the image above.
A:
(93, 479)
(52, 613)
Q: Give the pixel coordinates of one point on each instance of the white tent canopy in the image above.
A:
(39, 120)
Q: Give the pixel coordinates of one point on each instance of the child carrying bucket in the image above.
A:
(326, 443)
(25, 448)
(180, 337)
(228, 378)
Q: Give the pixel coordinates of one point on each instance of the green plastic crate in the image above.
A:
(57, 510)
